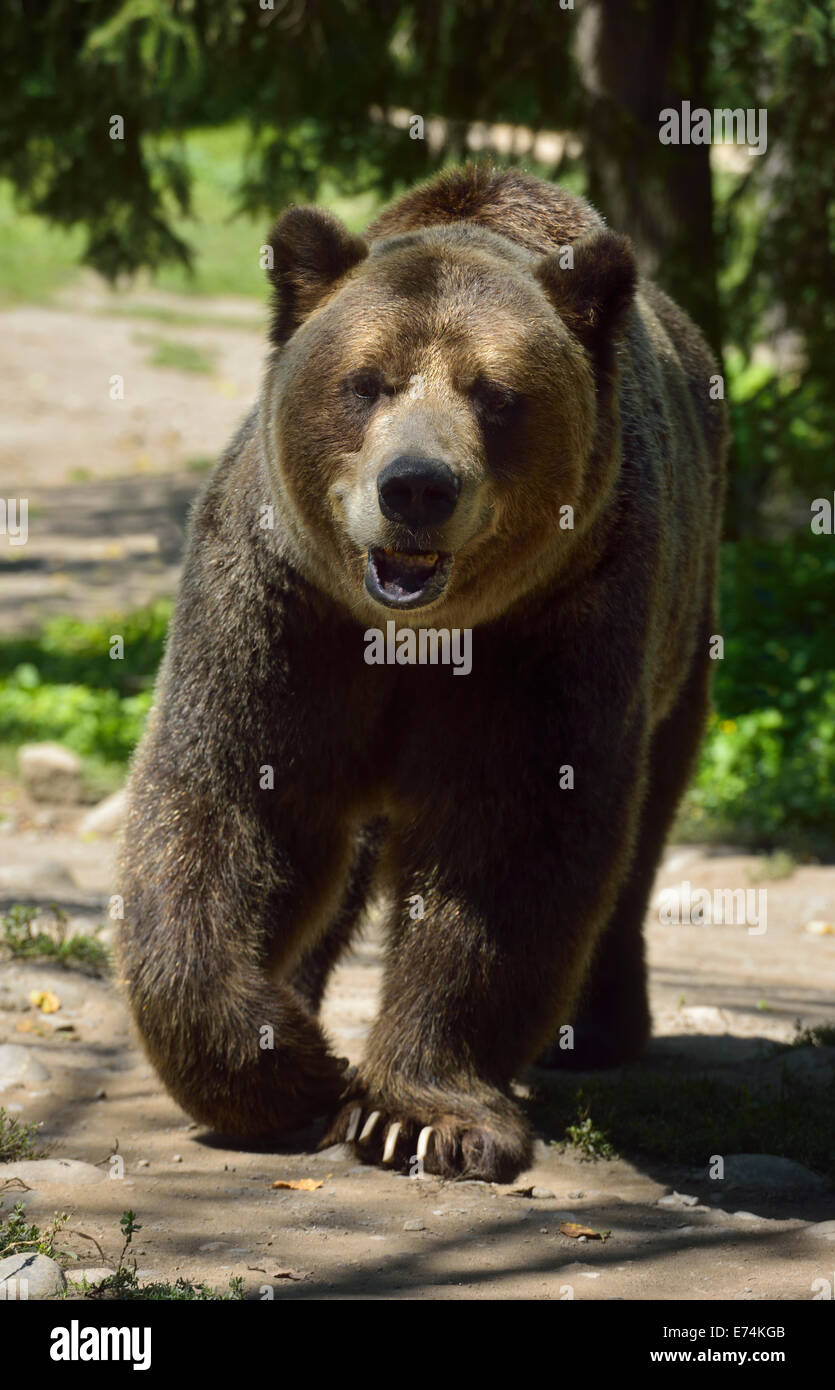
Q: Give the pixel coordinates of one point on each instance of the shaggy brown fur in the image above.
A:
(279, 767)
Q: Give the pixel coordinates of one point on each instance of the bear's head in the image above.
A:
(439, 413)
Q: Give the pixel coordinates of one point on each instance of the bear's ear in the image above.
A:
(594, 297)
(311, 251)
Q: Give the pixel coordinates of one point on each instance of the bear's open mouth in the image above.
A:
(406, 578)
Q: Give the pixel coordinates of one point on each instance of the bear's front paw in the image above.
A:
(452, 1139)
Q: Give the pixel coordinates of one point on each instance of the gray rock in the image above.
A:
(18, 1067)
(542, 1192)
(768, 1172)
(107, 817)
(93, 1276)
(414, 1224)
(50, 772)
(69, 1172)
(36, 1276)
(12, 999)
(677, 1200)
(824, 1230)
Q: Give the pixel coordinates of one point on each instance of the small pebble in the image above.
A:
(415, 1224)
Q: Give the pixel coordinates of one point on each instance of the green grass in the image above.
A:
(176, 318)
(228, 243)
(36, 260)
(184, 357)
(77, 952)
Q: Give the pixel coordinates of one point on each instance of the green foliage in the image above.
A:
(124, 1284)
(95, 723)
(304, 86)
(589, 1141)
(64, 685)
(71, 651)
(781, 218)
(823, 1035)
(782, 425)
(776, 231)
(17, 1140)
(17, 1234)
(767, 772)
(76, 952)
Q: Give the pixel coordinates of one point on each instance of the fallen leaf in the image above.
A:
(45, 1000)
(575, 1230)
(30, 1025)
(299, 1184)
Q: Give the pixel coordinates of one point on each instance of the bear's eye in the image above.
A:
(496, 402)
(366, 386)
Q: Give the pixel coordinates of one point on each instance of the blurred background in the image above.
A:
(138, 257)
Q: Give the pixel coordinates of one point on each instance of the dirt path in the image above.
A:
(108, 481)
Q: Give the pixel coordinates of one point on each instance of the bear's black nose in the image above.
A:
(417, 492)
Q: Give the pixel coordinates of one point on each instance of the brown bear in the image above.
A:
(476, 425)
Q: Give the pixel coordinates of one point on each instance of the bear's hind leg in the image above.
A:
(612, 1025)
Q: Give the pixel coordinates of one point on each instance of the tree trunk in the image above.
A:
(636, 57)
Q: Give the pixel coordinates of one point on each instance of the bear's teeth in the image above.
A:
(407, 557)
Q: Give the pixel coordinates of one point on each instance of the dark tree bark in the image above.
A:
(636, 57)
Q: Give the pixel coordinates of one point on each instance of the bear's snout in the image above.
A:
(417, 492)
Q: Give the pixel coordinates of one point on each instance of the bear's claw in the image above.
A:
(494, 1147)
